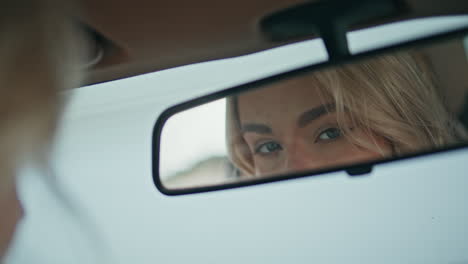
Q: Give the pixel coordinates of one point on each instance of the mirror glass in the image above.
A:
(381, 107)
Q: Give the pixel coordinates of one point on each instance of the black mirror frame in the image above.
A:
(353, 170)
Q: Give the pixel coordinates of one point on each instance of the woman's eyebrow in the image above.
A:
(314, 113)
(256, 128)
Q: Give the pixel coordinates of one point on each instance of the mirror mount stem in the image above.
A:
(329, 19)
(334, 38)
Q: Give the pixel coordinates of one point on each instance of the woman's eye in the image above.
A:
(268, 147)
(329, 134)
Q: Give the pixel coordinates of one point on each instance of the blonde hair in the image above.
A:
(42, 50)
(39, 51)
(392, 96)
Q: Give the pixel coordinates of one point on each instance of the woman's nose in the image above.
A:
(300, 157)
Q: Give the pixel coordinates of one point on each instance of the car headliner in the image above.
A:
(148, 35)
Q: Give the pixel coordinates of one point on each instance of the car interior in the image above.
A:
(269, 223)
(154, 35)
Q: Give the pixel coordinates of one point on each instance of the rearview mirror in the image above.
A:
(376, 107)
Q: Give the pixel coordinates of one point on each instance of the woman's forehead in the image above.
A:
(281, 100)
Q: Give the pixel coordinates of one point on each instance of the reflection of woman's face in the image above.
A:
(288, 128)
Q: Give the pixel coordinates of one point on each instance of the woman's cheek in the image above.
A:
(267, 165)
(349, 153)
(11, 213)
(337, 153)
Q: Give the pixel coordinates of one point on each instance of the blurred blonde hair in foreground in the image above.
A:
(393, 96)
(39, 51)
